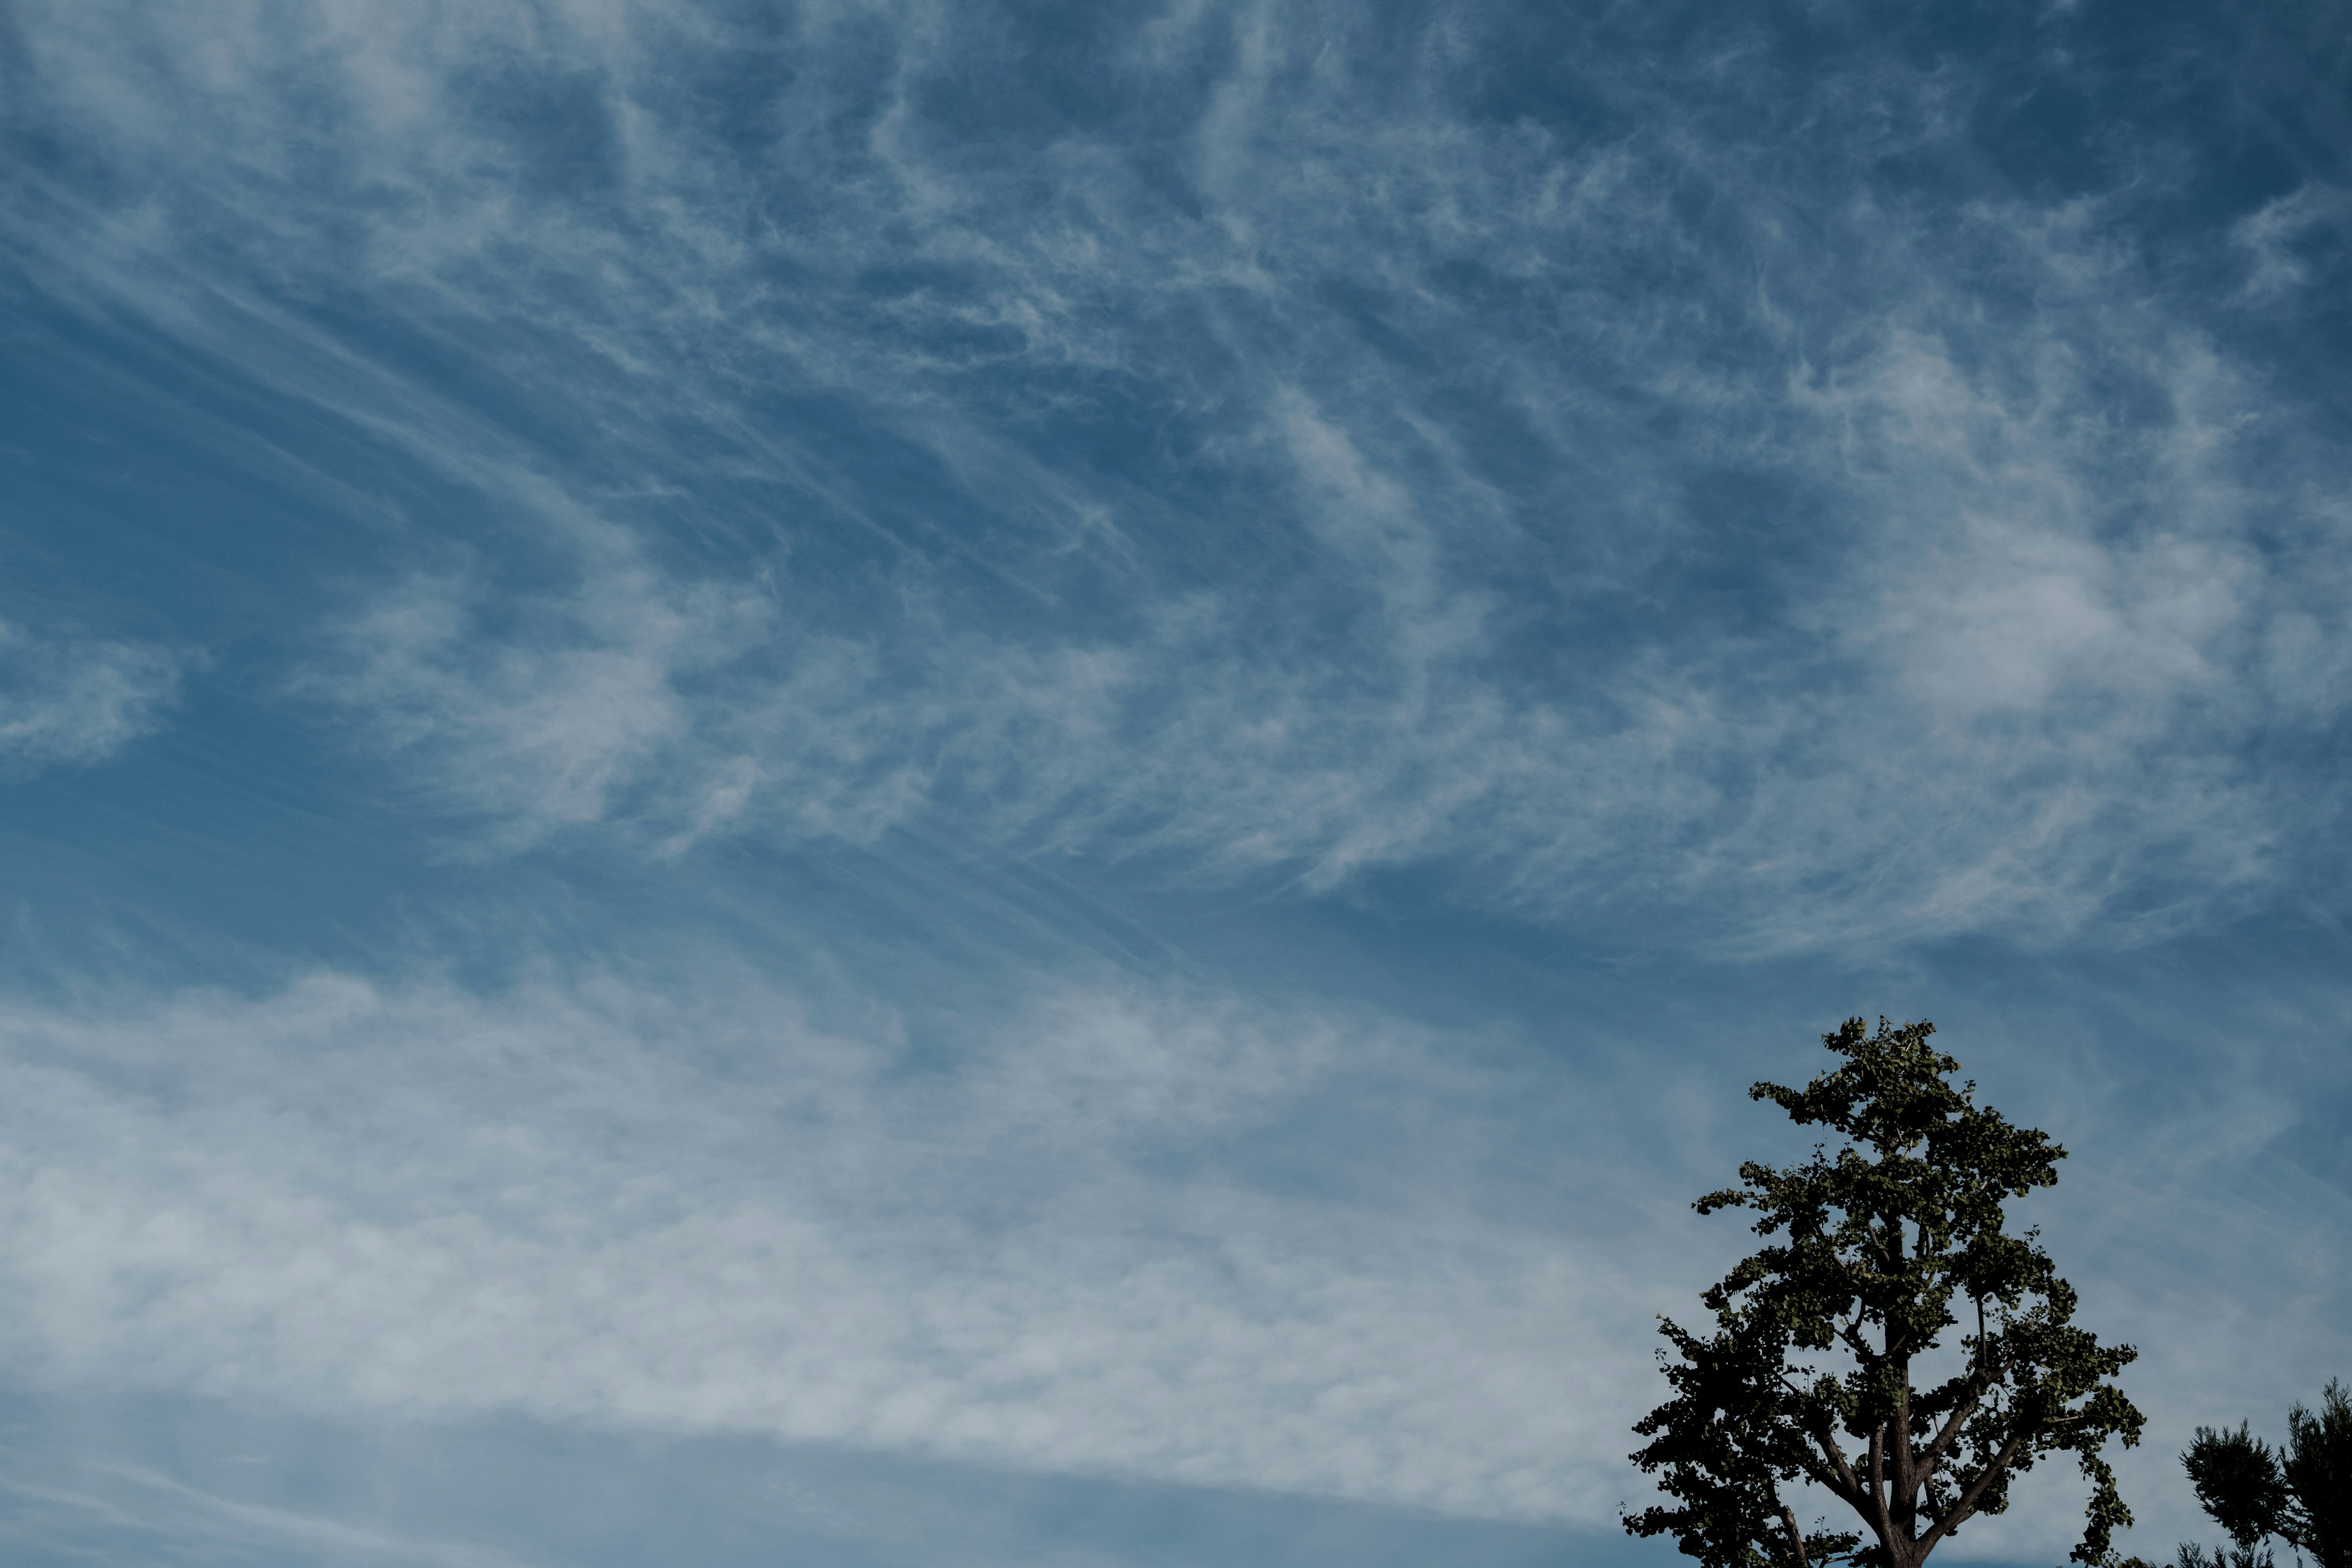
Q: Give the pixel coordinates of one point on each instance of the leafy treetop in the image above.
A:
(1818, 1369)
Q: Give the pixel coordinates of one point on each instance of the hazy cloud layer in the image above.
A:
(605, 1205)
(1079, 1243)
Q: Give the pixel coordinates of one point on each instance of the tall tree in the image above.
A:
(1831, 1362)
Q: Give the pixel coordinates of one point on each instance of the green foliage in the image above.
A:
(2318, 1474)
(2303, 1495)
(2238, 1481)
(2194, 1556)
(1824, 1338)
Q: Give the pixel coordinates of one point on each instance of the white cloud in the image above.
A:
(539, 732)
(77, 701)
(598, 1203)
(2269, 237)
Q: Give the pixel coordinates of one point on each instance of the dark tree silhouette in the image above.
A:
(2238, 1481)
(1823, 1363)
(2303, 1494)
(2319, 1468)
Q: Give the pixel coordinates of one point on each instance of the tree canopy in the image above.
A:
(1831, 1361)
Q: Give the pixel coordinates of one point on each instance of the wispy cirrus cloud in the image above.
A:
(1995, 663)
(2278, 242)
(551, 729)
(1718, 479)
(75, 701)
(2074, 671)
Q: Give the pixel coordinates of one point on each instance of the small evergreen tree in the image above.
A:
(2318, 1471)
(2302, 1495)
(1821, 1366)
(2237, 1481)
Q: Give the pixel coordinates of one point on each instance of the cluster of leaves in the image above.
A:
(2301, 1494)
(1882, 1241)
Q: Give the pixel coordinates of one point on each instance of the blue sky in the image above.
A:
(947, 784)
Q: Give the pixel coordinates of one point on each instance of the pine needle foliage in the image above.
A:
(2302, 1493)
(2317, 1469)
(2237, 1481)
(1822, 1366)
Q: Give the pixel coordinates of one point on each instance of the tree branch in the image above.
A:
(1796, 1536)
(1951, 1427)
(1850, 1491)
(1966, 1504)
(1883, 1522)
